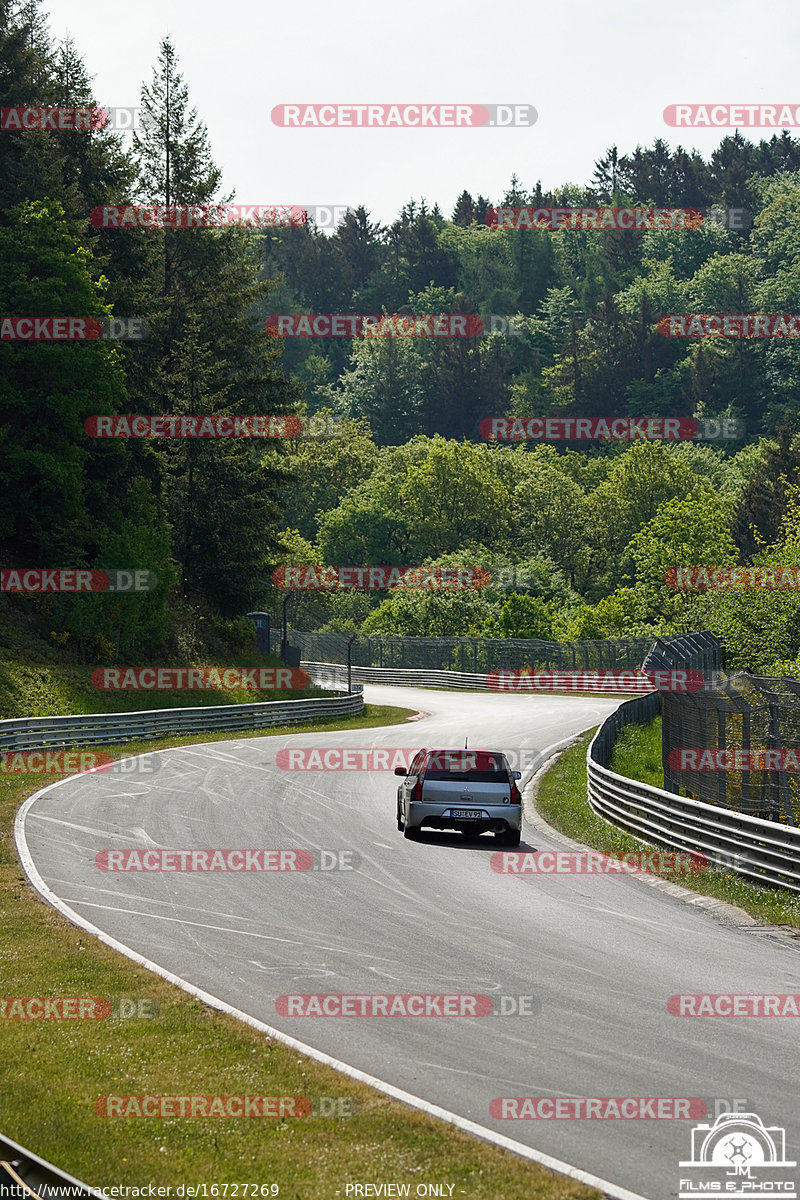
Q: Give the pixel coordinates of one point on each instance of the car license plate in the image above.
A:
(466, 814)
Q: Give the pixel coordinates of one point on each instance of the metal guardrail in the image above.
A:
(336, 674)
(764, 851)
(30, 1175)
(97, 729)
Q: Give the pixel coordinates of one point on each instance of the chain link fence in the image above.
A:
(730, 744)
(464, 654)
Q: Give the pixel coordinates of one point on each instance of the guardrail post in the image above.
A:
(350, 664)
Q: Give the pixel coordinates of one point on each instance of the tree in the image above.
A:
(643, 476)
(522, 617)
(606, 175)
(222, 496)
(207, 356)
(759, 627)
(172, 151)
(55, 480)
(453, 498)
(325, 469)
(685, 531)
(550, 513)
(431, 613)
(766, 495)
(172, 154)
(359, 240)
(382, 385)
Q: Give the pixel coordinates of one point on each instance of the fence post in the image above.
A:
(722, 780)
(774, 741)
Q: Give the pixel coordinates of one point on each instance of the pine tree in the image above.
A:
(207, 354)
(464, 211)
(173, 154)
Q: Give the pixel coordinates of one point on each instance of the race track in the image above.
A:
(601, 955)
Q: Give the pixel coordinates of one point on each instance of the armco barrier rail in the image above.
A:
(765, 851)
(32, 1176)
(336, 675)
(97, 729)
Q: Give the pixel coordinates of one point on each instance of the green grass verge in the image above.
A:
(52, 1072)
(562, 801)
(50, 690)
(637, 753)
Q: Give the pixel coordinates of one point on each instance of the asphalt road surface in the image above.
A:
(600, 954)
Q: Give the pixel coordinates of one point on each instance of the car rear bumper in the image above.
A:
(498, 817)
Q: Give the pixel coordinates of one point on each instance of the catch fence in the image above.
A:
(736, 742)
(463, 654)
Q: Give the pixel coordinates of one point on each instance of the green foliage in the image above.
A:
(324, 469)
(53, 475)
(522, 616)
(690, 531)
(458, 613)
(760, 628)
(576, 541)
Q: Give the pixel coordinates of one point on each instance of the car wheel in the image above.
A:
(510, 837)
(410, 832)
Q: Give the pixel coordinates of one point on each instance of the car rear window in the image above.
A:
(466, 766)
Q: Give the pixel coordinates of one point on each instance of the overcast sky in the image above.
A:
(598, 74)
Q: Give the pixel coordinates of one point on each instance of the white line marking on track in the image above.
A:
(433, 1110)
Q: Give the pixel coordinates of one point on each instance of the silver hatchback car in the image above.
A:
(473, 791)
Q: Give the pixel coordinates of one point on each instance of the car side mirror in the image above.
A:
(401, 771)
(517, 774)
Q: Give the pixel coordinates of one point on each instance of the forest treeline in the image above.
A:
(577, 538)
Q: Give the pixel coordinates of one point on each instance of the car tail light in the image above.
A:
(416, 791)
(515, 796)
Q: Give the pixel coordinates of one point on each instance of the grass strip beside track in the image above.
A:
(51, 1072)
(561, 798)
